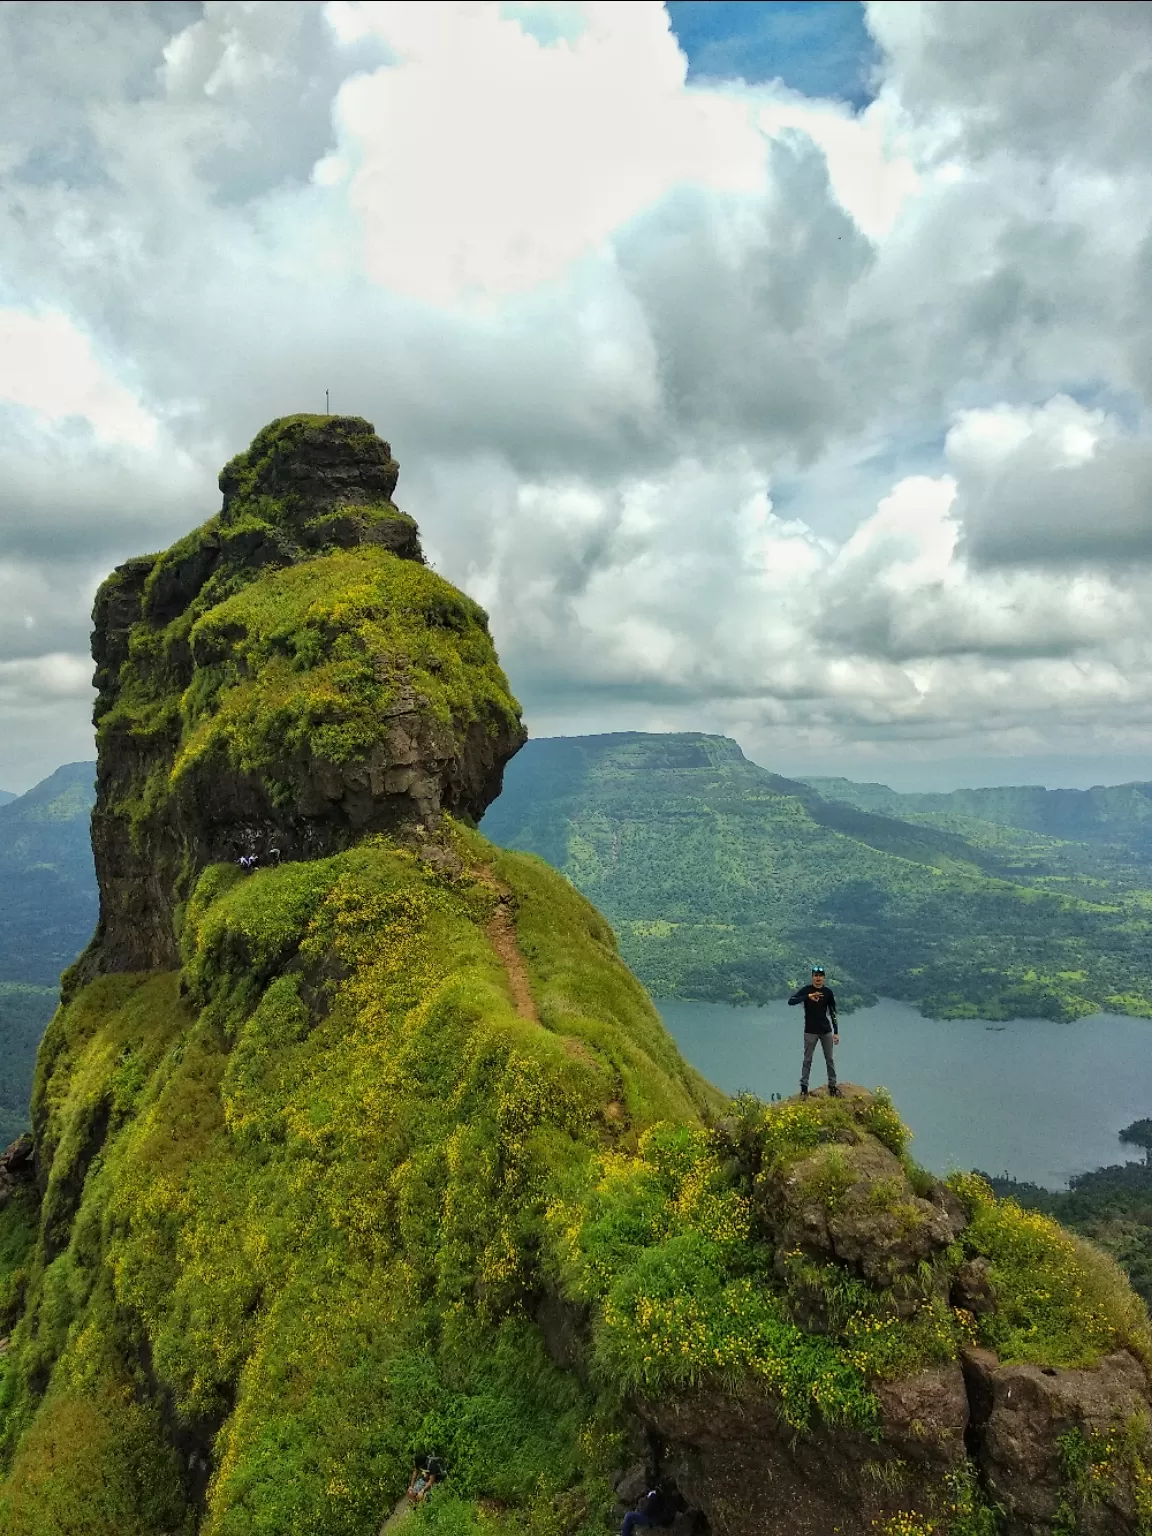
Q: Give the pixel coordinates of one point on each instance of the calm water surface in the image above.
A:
(1039, 1100)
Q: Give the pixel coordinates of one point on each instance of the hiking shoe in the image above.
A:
(833, 1091)
(803, 1090)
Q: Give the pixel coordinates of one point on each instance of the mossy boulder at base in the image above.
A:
(290, 676)
(381, 1152)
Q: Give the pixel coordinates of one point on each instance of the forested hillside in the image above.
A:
(724, 881)
(47, 912)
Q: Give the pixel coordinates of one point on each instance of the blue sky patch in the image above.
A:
(819, 47)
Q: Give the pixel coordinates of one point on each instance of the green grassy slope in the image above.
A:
(724, 881)
(308, 1190)
(317, 1205)
(1110, 1206)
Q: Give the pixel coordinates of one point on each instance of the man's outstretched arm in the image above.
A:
(797, 996)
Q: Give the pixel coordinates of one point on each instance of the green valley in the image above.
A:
(725, 881)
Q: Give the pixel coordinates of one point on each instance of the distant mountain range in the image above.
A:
(6, 795)
(725, 881)
(47, 880)
(1116, 815)
(48, 904)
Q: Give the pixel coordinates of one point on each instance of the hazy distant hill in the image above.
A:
(24, 1011)
(47, 913)
(725, 881)
(5, 796)
(1118, 815)
(47, 880)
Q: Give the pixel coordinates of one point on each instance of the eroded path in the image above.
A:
(502, 936)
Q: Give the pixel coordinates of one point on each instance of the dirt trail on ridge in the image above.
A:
(502, 936)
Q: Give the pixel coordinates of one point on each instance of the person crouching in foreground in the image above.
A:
(652, 1510)
(820, 1023)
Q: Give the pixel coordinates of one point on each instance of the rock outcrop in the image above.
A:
(1054, 1449)
(17, 1167)
(289, 677)
(1057, 1446)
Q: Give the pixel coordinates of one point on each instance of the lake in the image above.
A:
(1039, 1100)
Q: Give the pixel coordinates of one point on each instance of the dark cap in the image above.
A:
(817, 970)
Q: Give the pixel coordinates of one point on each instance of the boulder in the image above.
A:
(736, 1463)
(853, 1204)
(972, 1288)
(1057, 1447)
(633, 1484)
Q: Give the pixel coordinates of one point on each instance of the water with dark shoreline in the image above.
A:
(1039, 1100)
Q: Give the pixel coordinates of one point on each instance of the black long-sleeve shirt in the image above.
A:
(819, 1008)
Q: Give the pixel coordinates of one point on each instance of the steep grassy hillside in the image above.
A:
(725, 881)
(314, 1206)
(382, 1152)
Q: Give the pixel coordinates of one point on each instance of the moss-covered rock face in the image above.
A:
(295, 1207)
(288, 677)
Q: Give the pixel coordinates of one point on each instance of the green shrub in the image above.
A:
(97, 1466)
(1059, 1301)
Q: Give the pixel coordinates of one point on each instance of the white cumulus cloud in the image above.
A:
(740, 410)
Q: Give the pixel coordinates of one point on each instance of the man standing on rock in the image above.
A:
(820, 1023)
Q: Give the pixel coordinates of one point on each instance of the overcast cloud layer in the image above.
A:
(739, 410)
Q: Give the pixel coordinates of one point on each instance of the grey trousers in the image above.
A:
(809, 1052)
